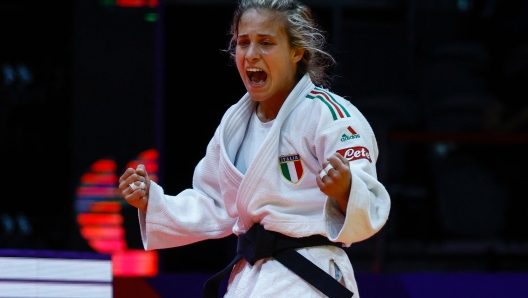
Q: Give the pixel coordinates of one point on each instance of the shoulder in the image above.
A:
(242, 107)
(329, 106)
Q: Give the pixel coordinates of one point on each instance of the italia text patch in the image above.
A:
(291, 167)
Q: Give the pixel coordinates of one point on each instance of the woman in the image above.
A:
(289, 159)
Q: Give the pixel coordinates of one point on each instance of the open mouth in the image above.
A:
(256, 76)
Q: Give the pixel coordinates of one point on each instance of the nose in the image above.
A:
(252, 53)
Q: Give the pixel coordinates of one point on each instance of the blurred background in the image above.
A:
(90, 87)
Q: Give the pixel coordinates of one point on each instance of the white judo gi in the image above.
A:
(279, 191)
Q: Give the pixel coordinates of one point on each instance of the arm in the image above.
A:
(195, 214)
(358, 204)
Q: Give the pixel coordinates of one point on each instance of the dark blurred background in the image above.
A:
(443, 83)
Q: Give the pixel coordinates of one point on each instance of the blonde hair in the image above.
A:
(302, 32)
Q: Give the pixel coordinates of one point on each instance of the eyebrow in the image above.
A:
(259, 35)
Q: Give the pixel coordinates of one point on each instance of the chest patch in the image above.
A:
(291, 167)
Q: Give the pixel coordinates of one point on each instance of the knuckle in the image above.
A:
(131, 199)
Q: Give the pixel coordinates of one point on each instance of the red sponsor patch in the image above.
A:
(353, 153)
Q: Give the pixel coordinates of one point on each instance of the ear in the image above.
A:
(297, 54)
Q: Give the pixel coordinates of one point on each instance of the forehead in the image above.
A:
(261, 21)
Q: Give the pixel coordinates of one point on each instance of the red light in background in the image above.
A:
(135, 263)
(104, 165)
(99, 208)
(130, 3)
(98, 178)
(149, 166)
(110, 207)
(152, 3)
(94, 191)
(96, 232)
(151, 154)
(137, 3)
(108, 246)
(99, 219)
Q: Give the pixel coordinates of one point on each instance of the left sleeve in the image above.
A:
(369, 202)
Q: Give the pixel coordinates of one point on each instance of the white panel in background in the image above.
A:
(55, 278)
(53, 290)
(18, 268)
(52, 269)
(78, 270)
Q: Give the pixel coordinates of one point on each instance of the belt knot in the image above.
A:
(256, 244)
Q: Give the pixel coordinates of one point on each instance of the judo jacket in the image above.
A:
(279, 190)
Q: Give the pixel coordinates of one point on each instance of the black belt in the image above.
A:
(257, 243)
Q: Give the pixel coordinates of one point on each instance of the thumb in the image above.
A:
(141, 170)
(141, 167)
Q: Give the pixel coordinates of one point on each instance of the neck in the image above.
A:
(267, 112)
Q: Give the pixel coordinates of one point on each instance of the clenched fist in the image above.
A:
(134, 186)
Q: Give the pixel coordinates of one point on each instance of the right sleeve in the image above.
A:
(194, 214)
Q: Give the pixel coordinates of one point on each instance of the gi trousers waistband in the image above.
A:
(257, 243)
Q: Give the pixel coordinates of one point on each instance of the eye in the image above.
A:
(266, 43)
(242, 42)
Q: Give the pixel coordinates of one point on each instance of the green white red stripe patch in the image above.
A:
(336, 109)
(291, 167)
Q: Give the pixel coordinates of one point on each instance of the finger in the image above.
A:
(125, 182)
(126, 174)
(339, 171)
(135, 198)
(332, 168)
(327, 179)
(137, 185)
(134, 179)
(141, 169)
(125, 189)
(322, 173)
(342, 158)
(328, 167)
(131, 179)
(325, 185)
(338, 163)
(132, 194)
(320, 180)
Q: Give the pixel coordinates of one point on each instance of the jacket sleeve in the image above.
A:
(194, 214)
(369, 202)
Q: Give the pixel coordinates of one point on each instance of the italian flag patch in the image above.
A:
(291, 167)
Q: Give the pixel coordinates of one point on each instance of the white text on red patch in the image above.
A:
(354, 153)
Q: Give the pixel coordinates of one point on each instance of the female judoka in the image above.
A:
(291, 169)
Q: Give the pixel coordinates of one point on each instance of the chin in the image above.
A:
(256, 96)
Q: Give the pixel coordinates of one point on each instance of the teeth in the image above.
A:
(254, 69)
